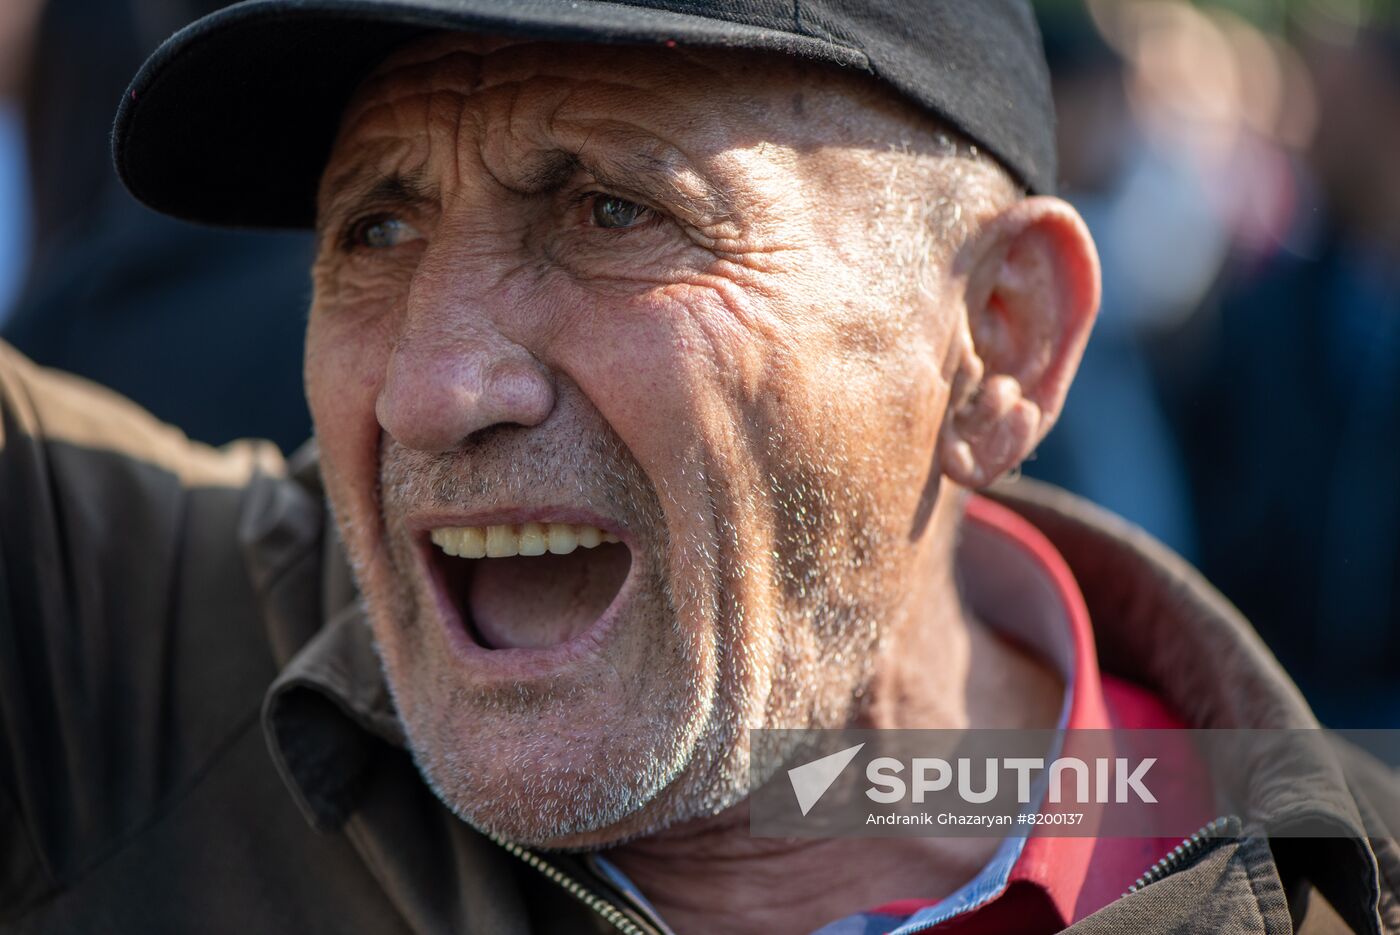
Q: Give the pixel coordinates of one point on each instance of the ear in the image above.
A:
(1031, 293)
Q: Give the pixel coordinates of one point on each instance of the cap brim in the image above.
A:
(231, 120)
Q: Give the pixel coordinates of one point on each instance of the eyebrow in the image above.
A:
(627, 173)
(679, 185)
(363, 187)
(636, 173)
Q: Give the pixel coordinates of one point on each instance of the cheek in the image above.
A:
(668, 370)
(344, 369)
(851, 423)
(672, 371)
(641, 366)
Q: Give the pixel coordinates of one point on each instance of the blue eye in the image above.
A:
(615, 213)
(382, 233)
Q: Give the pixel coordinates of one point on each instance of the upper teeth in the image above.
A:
(525, 539)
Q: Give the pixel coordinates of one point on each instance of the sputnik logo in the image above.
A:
(811, 780)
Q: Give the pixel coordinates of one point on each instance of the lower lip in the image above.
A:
(516, 664)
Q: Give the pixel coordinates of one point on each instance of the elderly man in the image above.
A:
(654, 355)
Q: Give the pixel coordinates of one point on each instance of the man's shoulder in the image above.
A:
(227, 849)
(1248, 884)
(98, 484)
(138, 572)
(1161, 625)
(64, 411)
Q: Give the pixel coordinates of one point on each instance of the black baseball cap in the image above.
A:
(231, 120)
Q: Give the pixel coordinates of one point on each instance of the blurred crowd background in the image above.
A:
(1238, 162)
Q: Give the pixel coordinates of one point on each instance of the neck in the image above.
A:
(712, 875)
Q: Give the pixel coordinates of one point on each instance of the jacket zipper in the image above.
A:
(609, 912)
(1226, 826)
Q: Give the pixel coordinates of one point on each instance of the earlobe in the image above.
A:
(992, 434)
(1031, 296)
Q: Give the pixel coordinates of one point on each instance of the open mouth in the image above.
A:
(529, 585)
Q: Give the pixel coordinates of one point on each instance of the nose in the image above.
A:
(452, 373)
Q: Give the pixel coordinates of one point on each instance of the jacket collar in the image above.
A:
(325, 716)
(329, 707)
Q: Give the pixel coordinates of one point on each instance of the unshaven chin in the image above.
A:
(649, 729)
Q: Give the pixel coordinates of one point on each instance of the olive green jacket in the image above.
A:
(195, 735)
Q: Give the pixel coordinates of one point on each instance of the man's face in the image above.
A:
(655, 292)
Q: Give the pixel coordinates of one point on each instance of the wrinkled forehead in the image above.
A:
(469, 63)
(680, 94)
